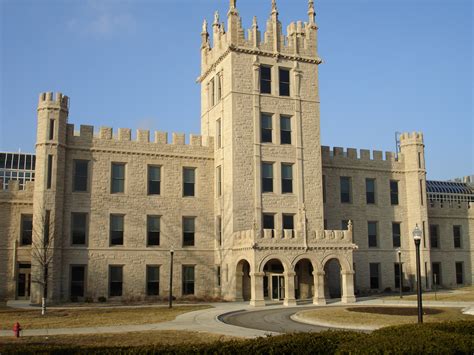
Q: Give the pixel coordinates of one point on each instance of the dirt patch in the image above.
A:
(395, 311)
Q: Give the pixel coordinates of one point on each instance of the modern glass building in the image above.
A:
(16, 166)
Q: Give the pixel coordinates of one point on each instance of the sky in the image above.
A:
(389, 66)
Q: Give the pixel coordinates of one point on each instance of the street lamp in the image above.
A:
(417, 233)
(170, 302)
(400, 283)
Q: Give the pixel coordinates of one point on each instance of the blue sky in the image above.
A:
(389, 65)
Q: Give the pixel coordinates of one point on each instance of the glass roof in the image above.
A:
(449, 187)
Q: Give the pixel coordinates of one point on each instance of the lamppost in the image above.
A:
(400, 283)
(170, 302)
(417, 233)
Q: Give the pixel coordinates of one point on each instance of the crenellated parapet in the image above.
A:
(351, 156)
(50, 101)
(13, 194)
(411, 138)
(452, 209)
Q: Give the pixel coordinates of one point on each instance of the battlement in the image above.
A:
(362, 155)
(46, 99)
(407, 138)
(461, 205)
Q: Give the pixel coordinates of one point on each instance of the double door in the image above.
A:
(275, 283)
(24, 281)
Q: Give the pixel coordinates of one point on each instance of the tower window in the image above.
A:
(49, 177)
(284, 75)
(457, 236)
(285, 130)
(219, 133)
(51, 129)
(324, 188)
(267, 128)
(219, 229)
(189, 180)
(394, 192)
(154, 180)
(218, 87)
(153, 230)
(211, 93)
(434, 236)
(219, 181)
(188, 231)
(265, 80)
(26, 229)
(345, 183)
(267, 177)
(370, 191)
(286, 178)
(80, 175)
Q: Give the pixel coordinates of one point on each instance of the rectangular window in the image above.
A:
(436, 270)
(374, 276)
(219, 133)
(394, 192)
(188, 280)
(219, 181)
(118, 178)
(288, 221)
(154, 180)
(51, 129)
(434, 236)
(396, 232)
(265, 80)
(152, 280)
(46, 227)
(153, 230)
(457, 236)
(188, 231)
(218, 271)
(325, 224)
(285, 130)
(421, 192)
(219, 229)
(267, 128)
(286, 178)
(284, 75)
(268, 221)
(370, 191)
(267, 177)
(396, 274)
(78, 278)
(218, 87)
(78, 228)
(115, 280)
(459, 273)
(49, 177)
(324, 188)
(81, 168)
(189, 181)
(372, 234)
(345, 189)
(116, 229)
(26, 229)
(211, 92)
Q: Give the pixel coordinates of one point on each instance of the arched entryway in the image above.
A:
(274, 280)
(304, 279)
(332, 279)
(242, 280)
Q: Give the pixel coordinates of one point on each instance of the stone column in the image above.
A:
(239, 285)
(318, 297)
(347, 287)
(256, 289)
(289, 289)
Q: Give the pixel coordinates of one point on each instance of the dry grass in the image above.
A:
(464, 294)
(71, 318)
(342, 316)
(157, 337)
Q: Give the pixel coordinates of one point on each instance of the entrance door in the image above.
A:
(24, 281)
(278, 287)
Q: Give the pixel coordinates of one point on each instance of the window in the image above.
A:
(372, 234)
(265, 80)
(118, 178)
(436, 270)
(267, 177)
(189, 180)
(219, 229)
(26, 229)
(218, 87)
(51, 129)
(78, 228)
(288, 221)
(188, 280)
(47, 222)
(284, 75)
(153, 230)
(459, 273)
(396, 235)
(325, 224)
(154, 180)
(81, 168)
(188, 231)
(268, 221)
(219, 133)
(434, 236)
(267, 130)
(285, 130)
(116, 229)
(457, 236)
(218, 271)
(152, 280)
(324, 188)
(115, 280)
(211, 92)
(49, 176)
(396, 273)
(345, 189)
(421, 192)
(345, 224)
(286, 178)
(78, 276)
(374, 275)
(370, 191)
(219, 180)
(394, 192)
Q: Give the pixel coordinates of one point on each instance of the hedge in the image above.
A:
(433, 338)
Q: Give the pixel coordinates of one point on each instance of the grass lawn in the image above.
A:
(157, 337)
(71, 318)
(463, 294)
(343, 316)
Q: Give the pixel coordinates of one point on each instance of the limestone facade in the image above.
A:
(266, 218)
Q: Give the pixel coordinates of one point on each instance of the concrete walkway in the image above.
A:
(207, 320)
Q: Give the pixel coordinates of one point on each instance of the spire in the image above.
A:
(233, 4)
(204, 34)
(274, 8)
(216, 19)
(311, 12)
(204, 27)
(254, 22)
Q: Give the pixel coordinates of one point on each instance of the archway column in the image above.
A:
(318, 297)
(289, 289)
(256, 289)
(239, 292)
(348, 287)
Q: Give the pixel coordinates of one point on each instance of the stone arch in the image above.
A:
(332, 278)
(304, 277)
(283, 259)
(242, 280)
(314, 261)
(343, 262)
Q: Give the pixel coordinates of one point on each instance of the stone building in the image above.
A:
(254, 209)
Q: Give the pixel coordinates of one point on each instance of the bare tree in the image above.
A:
(42, 252)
